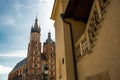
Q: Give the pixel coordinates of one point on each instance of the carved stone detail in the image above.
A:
(87, 41)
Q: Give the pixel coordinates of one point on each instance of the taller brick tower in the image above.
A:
(34, 53)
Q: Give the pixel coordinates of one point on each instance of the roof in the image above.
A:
(21, 63)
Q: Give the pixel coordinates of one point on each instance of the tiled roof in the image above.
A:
(20, 63)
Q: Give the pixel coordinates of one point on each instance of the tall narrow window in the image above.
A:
(62, 60)
(33, 65)
(33, 58)
(33, 52)
(38, 59)
(38, 53)
(38, 65)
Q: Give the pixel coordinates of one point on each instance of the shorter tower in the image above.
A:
(49, 52)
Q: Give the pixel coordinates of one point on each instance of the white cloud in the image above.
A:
(16, 53)
(4, 69)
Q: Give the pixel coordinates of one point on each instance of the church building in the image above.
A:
(36, 64)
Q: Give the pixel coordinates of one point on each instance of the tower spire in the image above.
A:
(36, 28)
(49, 39)
(49, 35)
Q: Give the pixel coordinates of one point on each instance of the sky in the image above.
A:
(16, 19)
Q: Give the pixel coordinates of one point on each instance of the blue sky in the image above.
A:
(16, 19)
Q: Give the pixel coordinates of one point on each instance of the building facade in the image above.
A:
(33, 67)
(87, 39)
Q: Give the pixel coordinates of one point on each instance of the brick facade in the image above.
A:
(32, 67)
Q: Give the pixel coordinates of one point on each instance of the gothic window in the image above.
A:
(18, 72)
(53, 67)
(38, 59)
(33, 58)
(33, 52)
(38, 65)
(38, 53)
(36, 43)
(52, 73)
(33, 65)
(49, 60)
(49, 66)
(36, 47)
(37, 37)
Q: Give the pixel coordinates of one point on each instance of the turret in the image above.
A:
(49, 39)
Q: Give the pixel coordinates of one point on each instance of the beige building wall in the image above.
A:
(103, 63)
(104, 60)
(78, 28)
(64, 63)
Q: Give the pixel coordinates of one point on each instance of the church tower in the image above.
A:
(49, 51)
(37, 65)
(34, 53)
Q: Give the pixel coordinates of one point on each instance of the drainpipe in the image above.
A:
(71, 33)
